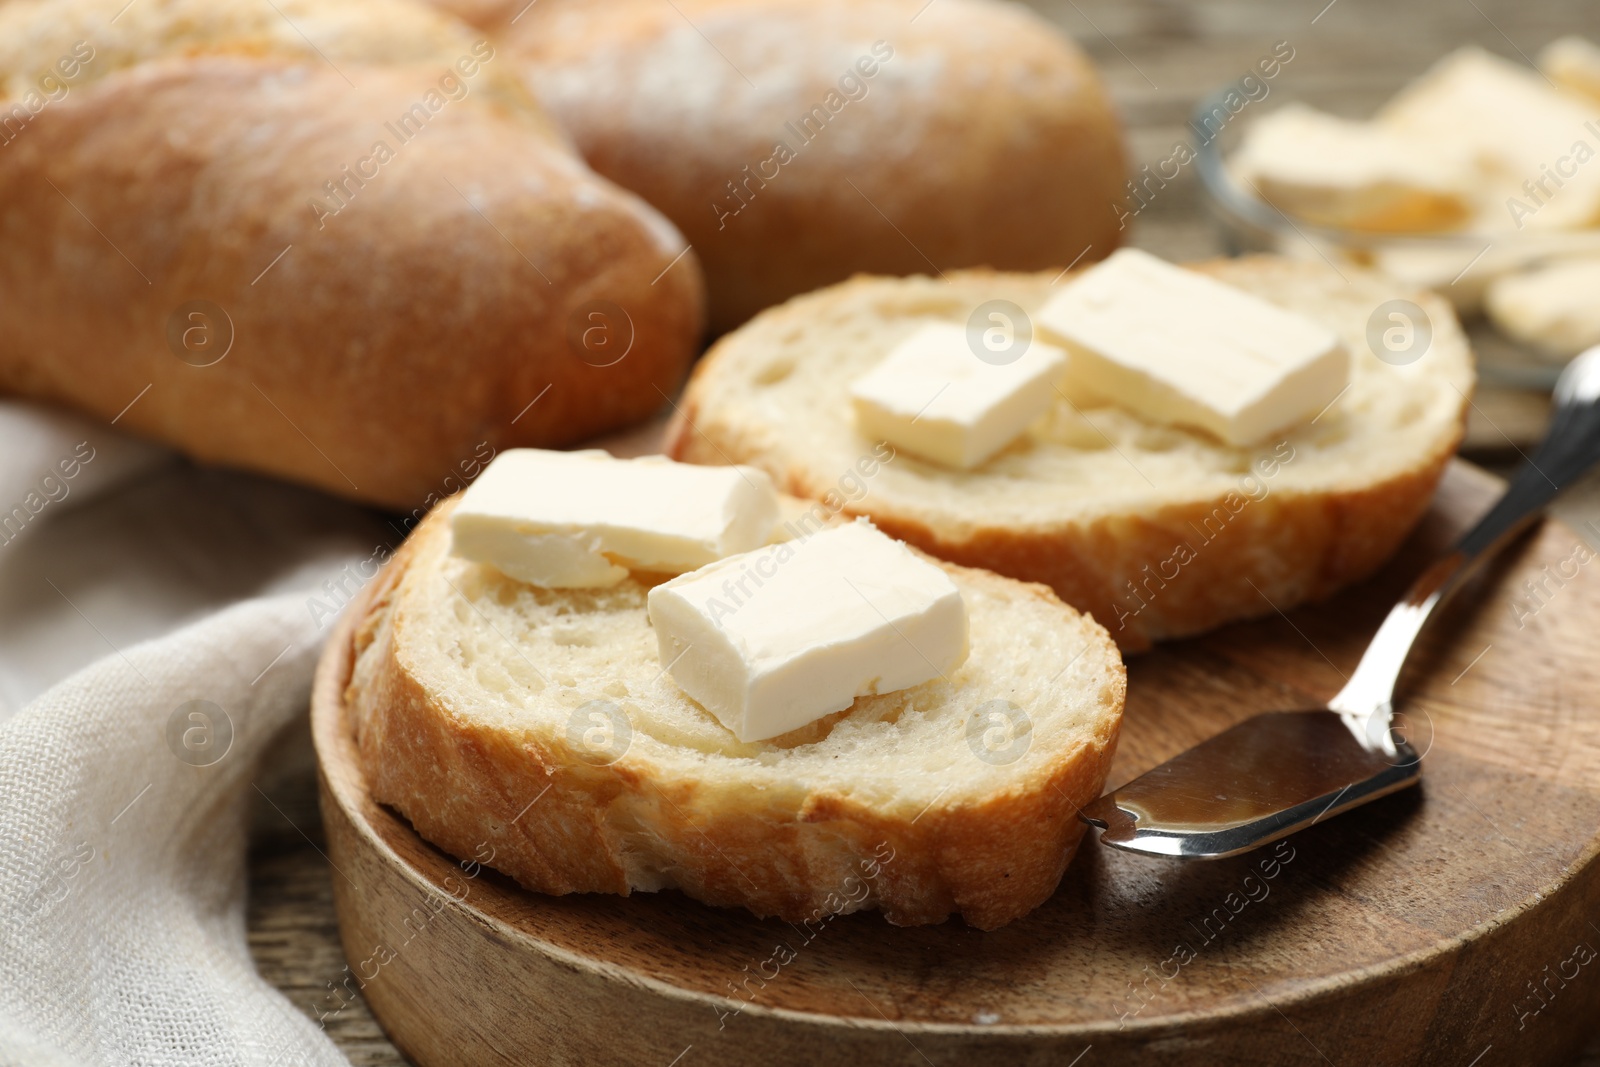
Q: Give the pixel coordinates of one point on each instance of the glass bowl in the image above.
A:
(1456, 265)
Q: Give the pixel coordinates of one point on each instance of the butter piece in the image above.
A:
(777, 638)
(1532, 145)
(1554, 308)
(1355, 175)
(1572, 63)
(583, 519)
(935, 398)
(1176, 346)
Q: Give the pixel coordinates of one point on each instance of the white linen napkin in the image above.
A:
(122, 851)
(179, 597)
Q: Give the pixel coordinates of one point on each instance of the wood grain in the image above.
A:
(1407, 932)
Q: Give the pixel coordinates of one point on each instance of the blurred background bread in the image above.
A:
(378, 245)
(797, 142)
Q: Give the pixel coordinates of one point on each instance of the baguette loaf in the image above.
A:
(1157, 531)
(796, 142)
(541, 725)
(202, 239)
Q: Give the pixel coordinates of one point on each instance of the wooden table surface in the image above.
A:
(1157, 56)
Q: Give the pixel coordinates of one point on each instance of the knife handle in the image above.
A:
(1568, 451)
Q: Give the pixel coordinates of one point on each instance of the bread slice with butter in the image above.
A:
(1157, 530)
(541, 724)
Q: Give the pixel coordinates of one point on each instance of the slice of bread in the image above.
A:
(1157, 531)
(539, 727)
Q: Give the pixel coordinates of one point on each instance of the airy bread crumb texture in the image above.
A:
(541, 724)
(1156, 530)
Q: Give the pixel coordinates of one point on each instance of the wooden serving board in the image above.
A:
(1449, 924)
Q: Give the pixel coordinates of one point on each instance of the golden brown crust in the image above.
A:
(983, 136)
(466, 786)
(1303, 548)
(1288, 548)
(376, 350)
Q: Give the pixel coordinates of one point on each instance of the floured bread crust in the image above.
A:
(335, 241)
(797, 142)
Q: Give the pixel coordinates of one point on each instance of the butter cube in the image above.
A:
(584, 519)
(779, 637)
(1531, 144)
(1178, 347)
(1359, 175)
(935, 398)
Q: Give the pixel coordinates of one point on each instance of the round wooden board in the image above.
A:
(1445, 925)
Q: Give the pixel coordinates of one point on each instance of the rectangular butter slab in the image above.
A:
(1532, 144)
(585, 519)
(1178, 347)
(936, 397)
(1343, 173)
(779, 637)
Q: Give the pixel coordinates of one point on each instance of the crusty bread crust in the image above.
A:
(983, 135)
(382, 344)
(779, 848)
(1307, 538)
